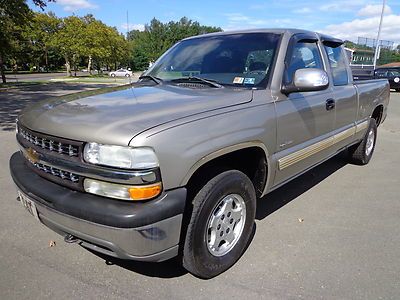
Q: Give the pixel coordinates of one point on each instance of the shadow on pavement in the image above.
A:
(293, 189)
(166, 269)
(13, 100)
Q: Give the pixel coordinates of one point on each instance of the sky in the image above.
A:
(345, 19)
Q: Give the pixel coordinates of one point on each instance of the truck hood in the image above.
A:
(116, 115)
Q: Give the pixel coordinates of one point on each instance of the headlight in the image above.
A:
(123, 192)
(120, 157)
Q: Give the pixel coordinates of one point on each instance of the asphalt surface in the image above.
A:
(333, 233)
(39, 76)
(35, 76)
(12, 78)
(12, 100)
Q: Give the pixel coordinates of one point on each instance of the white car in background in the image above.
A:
(121, 73)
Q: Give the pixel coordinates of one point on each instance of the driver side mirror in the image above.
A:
(307, 80)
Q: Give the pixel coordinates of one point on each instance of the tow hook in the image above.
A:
(70, 239)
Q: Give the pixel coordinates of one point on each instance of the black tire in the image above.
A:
(358, 153)
(127, 75)
(398, 90)
(112, 75)
(197, 258)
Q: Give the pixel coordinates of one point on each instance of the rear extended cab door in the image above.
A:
(304, 123)
(343, 91)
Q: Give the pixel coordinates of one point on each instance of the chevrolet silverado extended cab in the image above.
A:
(173, 164)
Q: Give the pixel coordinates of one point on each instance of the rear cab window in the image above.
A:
(338, 65)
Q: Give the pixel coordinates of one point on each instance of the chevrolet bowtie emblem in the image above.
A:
(32, 155)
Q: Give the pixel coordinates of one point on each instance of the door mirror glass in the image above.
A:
(308, 80)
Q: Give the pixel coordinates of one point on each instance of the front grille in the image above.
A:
(65, 175)
(51, 147)
(49, 144)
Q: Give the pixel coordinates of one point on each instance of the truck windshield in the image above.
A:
(237, 59)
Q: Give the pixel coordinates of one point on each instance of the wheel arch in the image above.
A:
(377, 114)
(214, 159)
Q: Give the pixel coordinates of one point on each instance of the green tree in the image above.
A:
(388, 56)
(87, 38)
(157, 37)
(40, 32)
(117, 46)
(13, 15)
(69, 40)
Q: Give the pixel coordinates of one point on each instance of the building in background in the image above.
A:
(361, 56)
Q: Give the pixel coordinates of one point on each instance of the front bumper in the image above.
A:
(146, 231)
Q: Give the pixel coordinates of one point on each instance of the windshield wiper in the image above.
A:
(154, 78)
(210, 82)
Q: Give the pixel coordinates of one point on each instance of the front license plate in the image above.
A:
(28, 204)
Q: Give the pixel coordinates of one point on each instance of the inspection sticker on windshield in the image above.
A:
(249, 80)
(238, 80)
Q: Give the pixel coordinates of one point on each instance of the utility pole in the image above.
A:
(127, 24)
(379, 33)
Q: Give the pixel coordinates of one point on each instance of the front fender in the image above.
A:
(183, 148)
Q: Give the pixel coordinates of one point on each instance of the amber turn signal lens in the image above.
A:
(145, 192)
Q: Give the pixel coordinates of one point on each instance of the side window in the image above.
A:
(337, 62)
(394, 73)
(304, 55)
(381, 73)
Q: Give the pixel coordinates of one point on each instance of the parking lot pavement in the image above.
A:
(12, 78)
(14, 99)
(345, 247)
(33, 76)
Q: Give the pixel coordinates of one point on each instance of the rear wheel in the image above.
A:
(113, 75)
(398, 90)
(221, 224)
(361, 153)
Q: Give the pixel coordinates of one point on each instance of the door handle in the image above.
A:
(330, 104)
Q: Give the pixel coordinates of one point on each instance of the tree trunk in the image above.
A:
(89, 67)
(3, 75)
(68, 66)
(46, 59)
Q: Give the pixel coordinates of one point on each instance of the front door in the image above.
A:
(304, 122)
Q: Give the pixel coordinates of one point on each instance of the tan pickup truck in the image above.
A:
(173, 165)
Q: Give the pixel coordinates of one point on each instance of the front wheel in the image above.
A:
(221, 224)
(361, 153)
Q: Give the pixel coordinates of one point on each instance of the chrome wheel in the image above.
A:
(225, 225)
(370, 142)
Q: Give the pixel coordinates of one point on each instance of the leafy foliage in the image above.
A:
(386, 56)
(42, 41)
(157, 37)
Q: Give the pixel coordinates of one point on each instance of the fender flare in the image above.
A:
(227, 150)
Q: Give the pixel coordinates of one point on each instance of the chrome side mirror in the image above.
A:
(307, 80)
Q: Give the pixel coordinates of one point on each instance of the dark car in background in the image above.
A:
(392, 75)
